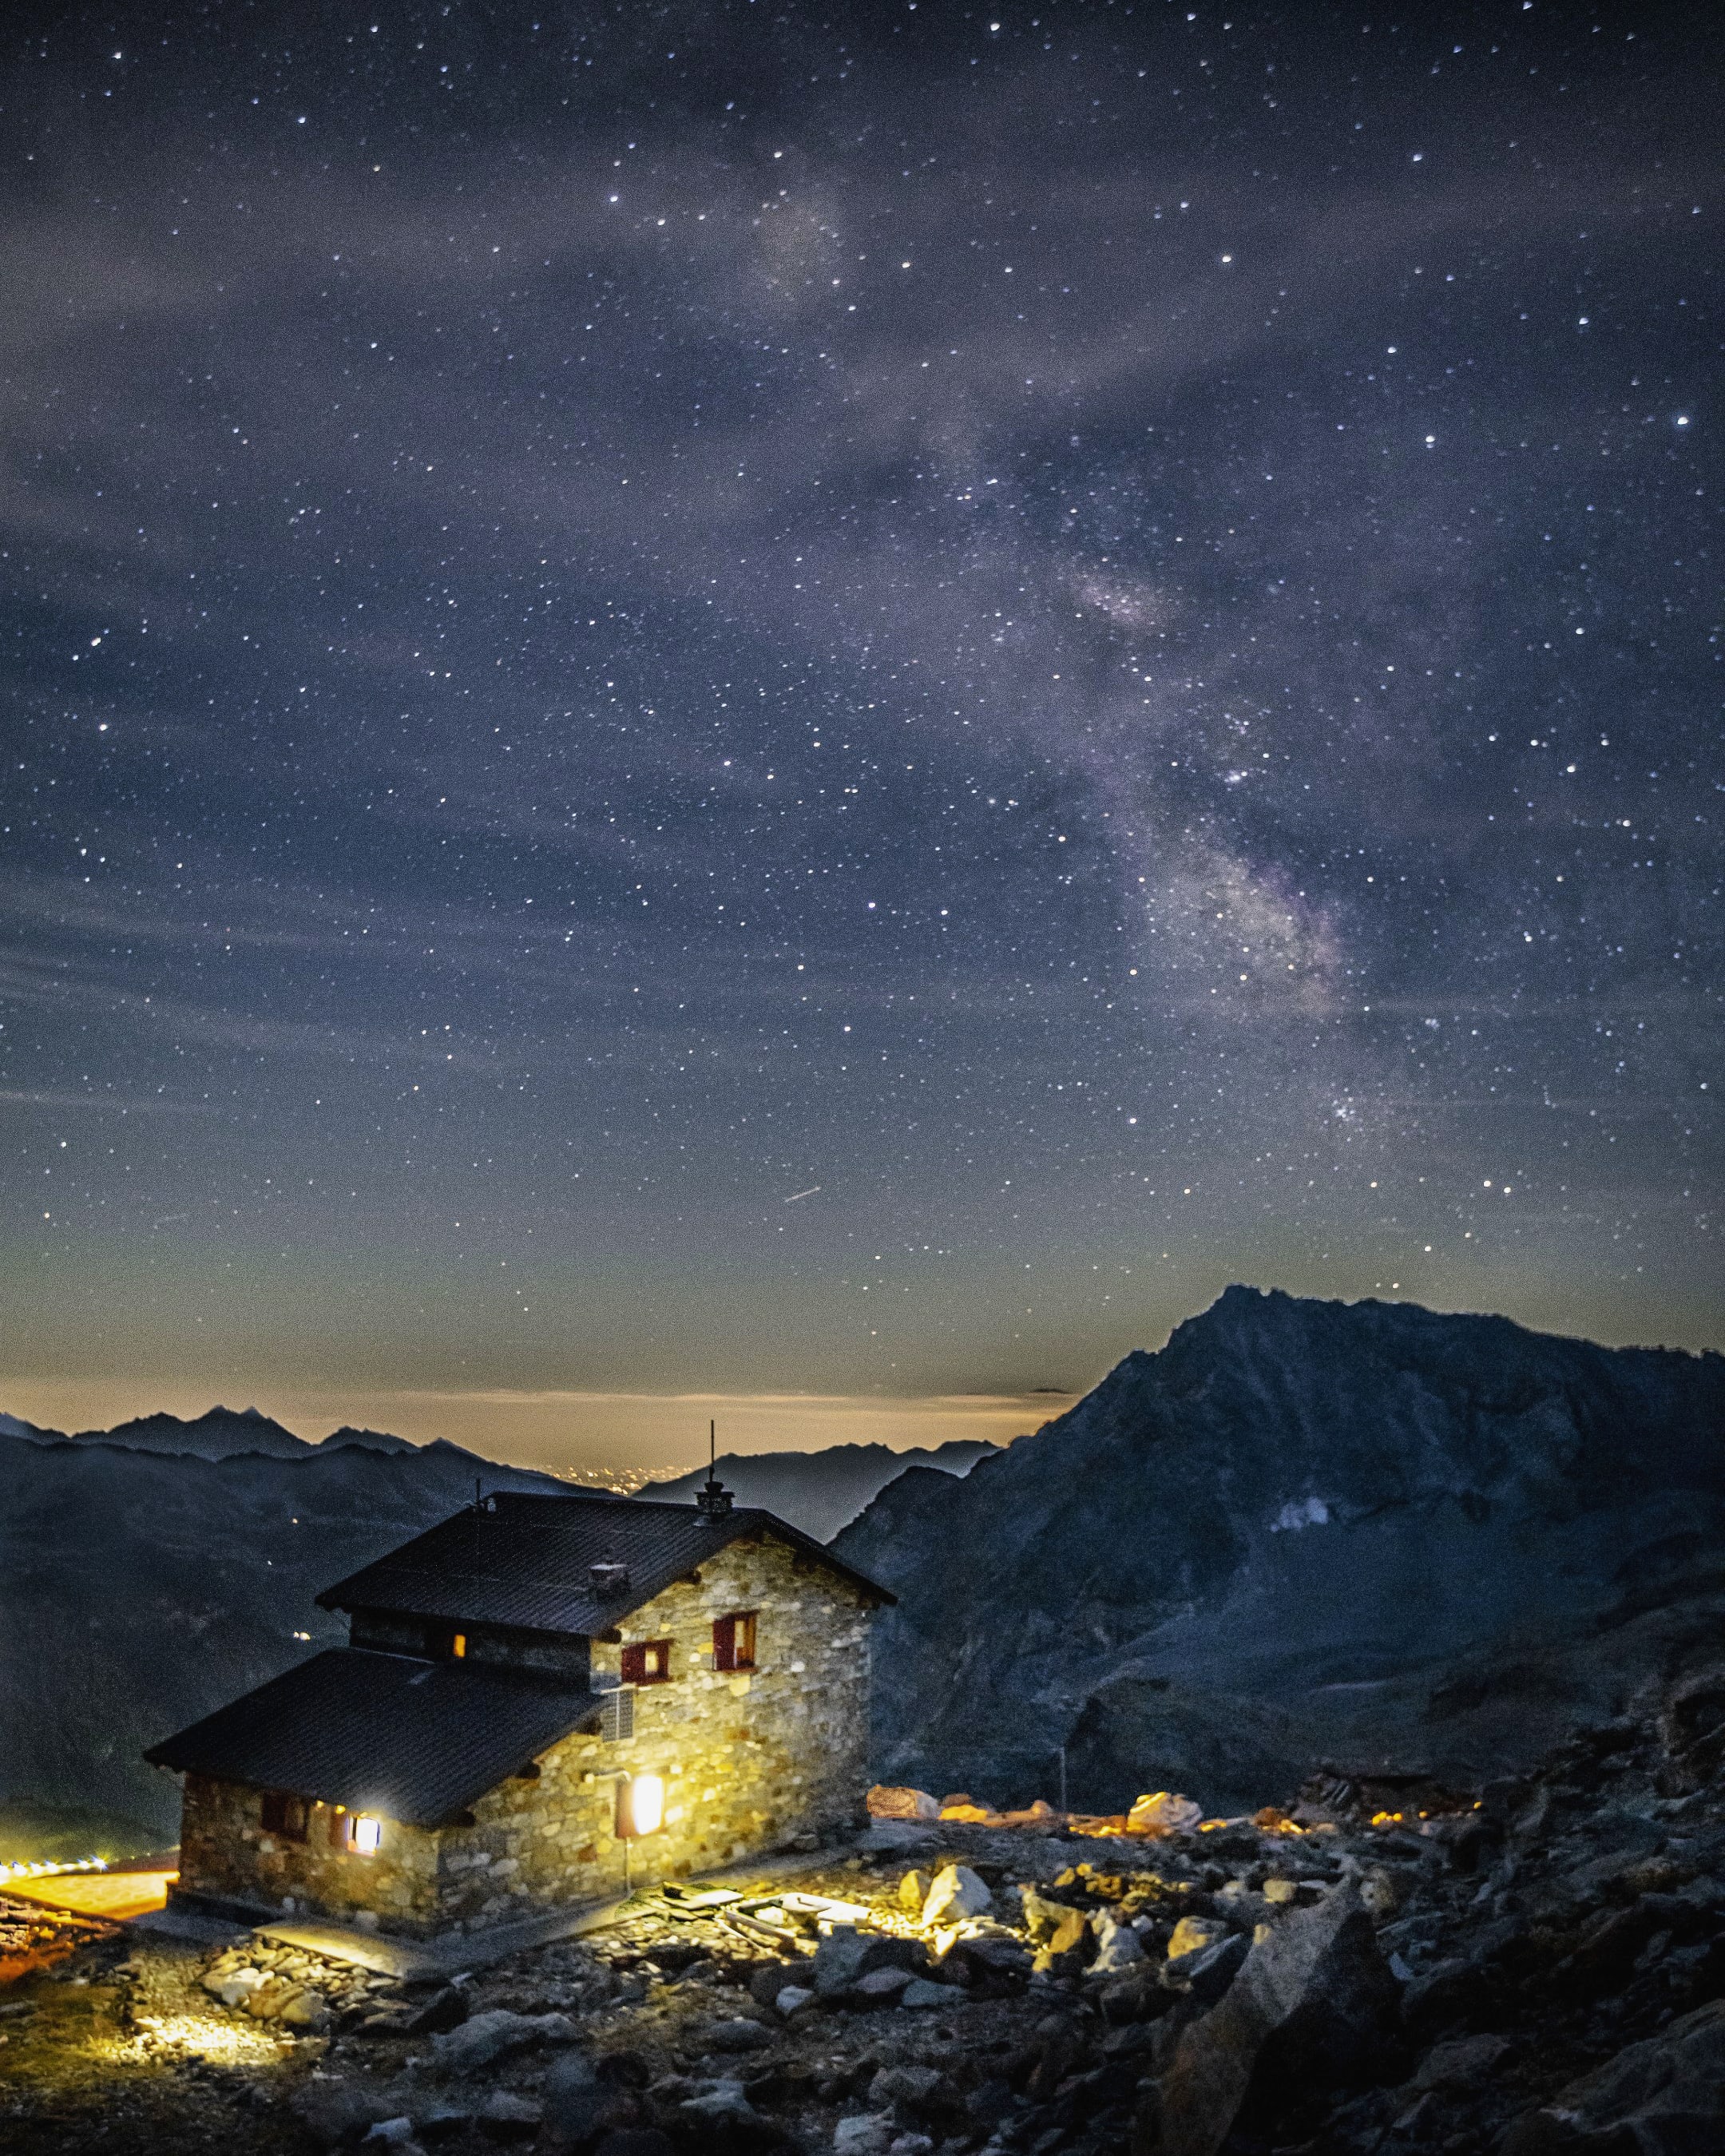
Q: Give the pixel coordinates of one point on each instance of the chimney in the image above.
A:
(609, 1577)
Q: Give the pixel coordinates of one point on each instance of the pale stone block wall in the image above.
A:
(225, 1852)
(751, 1763)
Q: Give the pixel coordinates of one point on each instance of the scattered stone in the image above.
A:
(504, 2116)
(445, 2009)
(883, 1983)
(1192, 1934)
(913, 1891)
(1462, 2061)
(869, 2135)
(333, 2111)
(1118, 1945)
(919, 1992)
(957, 1893)
(1205, 1975)
(488, 2037)
(741, 2035)
(792, 1999)
(1164, 1813)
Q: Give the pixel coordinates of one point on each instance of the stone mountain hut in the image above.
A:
(542, 1697)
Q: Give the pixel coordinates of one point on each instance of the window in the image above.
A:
(617, 1717)
(285, 1815)
(458, 1645)
(648, 1661)
(734, 1641)
(443, 1644)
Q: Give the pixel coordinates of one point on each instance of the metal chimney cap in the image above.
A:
(713, 1499)
(608, 1576)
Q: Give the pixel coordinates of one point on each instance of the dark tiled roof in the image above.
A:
(527, 1560)
(409, 1740)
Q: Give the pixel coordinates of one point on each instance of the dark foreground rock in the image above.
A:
(1314, 2006)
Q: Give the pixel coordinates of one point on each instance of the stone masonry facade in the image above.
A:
(751, 1762)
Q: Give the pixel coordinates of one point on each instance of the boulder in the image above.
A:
(1462, 2061)
(913, 1891)
(846, 1955)
(894, 1803)
(1192, 1934)
(957, 1893)
(869, 2135)
(914, 2092)
(920, 1992)
(770, 1977)
(741, 2035)
(1164, 1813)
(333, 2111)
(446, 2009)
(1118, 1945)
(792, 1999)
(1206, 1974)
(1314, 2004)
(305, 2010)
(578, 2109)
(487, 2036)
(1664, 2097)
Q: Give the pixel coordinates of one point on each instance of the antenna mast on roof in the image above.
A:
(713, 1498)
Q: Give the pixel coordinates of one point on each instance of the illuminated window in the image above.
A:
(640, 1807)
(734, 1641)
(365, 1836)
(458, 1645)
(648, 1661)
(285, 1815)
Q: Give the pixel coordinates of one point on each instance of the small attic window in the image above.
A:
(285, 1815)
(734, 1640)
(647, 1661)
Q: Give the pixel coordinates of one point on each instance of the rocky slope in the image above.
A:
(1538, 1971)
(1302, 1532)
(821, 1491)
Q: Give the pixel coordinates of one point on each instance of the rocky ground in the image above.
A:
(1533, 1969)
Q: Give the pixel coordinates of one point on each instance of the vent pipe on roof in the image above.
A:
(609, 1577)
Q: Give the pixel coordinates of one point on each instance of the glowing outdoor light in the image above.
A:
(367, 1834)
(640, 1806)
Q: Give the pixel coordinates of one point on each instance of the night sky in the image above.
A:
(727, 699)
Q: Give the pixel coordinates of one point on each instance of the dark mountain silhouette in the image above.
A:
(215, 1434)
(142, 1587)
(819, 1492)
(1302, 1532)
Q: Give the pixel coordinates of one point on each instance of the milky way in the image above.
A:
(853, 700)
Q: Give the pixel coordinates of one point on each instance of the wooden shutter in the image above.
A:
(647, 1661)
(724, 1643)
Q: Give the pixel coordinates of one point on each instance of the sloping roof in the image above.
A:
(410, 1740)
(527, 1560)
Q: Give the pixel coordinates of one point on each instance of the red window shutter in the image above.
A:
(724, 1643)
(635, 1663)
(274, 1811)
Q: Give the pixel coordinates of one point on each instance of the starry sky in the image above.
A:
(847, 701)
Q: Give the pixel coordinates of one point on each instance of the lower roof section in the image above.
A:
(407, 1740)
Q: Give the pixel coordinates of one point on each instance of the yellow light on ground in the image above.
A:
(367, 1835)
(643, 1806)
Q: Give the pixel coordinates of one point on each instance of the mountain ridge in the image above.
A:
(1300, 1530)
